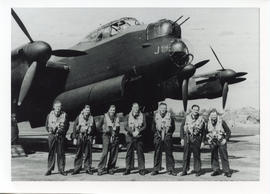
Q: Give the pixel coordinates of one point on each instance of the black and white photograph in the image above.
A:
(135, 94)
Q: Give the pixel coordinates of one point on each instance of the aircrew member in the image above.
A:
(84, 130)
(57, 125)
(163, 127)
(193, 134)
(135, 125)
(218, 134)
(110, 127)
(14, 129)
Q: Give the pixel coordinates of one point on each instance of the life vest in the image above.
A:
(193, 126)
(85, 125)
(217, 129)
(163, 123)
(135, 123)
(111, 123)
(55, 121)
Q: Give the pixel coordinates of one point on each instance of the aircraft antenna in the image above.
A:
(184, 21)
(177, 20)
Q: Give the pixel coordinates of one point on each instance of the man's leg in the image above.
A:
(169, 155)
(79, 156)
(129, 156)
(113, 155)
(157, 155)
(186, 157)
(61, 159)
(215, 160)
(140, 155)
(105, 150)
(88, 156)
(197, 157)
(52, 152)
(224, 159)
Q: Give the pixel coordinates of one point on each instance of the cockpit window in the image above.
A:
(111, 29)
(159, 29)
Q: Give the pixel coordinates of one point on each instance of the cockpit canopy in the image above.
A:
(161, 28)
(112, 29)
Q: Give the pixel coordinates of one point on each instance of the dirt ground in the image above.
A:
(243, 151)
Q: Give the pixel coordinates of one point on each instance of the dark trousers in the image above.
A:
(56, 147)
(109, 147)
(84, 147)
(133, 143)
(222, 150)
(195, 148)
(166, 144)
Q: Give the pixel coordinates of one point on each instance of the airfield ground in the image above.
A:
(243, 151)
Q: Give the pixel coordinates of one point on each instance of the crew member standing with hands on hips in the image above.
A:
(84, 130)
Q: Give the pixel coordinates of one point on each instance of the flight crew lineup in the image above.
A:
(195, 132)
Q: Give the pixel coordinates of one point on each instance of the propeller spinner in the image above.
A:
(38, 53)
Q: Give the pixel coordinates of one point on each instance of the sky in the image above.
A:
(232, 32)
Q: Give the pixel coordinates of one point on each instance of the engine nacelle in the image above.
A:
(110, 90)
(196, 89)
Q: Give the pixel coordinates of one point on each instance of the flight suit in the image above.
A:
(193, 133)
(221, 149)
(135, 142)
(163, 141)
(57, 128)
(84, 130)
(110, 140)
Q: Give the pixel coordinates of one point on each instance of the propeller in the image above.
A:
(27, 80)
(38, 53)
(21, 25)
(226, 76)
(187, 72)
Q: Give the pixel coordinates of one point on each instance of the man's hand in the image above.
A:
(202, 145)
(182, 142)
(135, 133)
(223, 142)
(74, 141)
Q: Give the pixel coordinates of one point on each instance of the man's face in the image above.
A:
(87, 111)
(57, 108)
(112, 111)
(195, 111)
(163, 109)
(213, 117)
(135, 109)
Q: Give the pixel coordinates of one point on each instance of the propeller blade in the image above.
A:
(21, 25)
(185, 93)
(27, 82)
(216, 57)
(237, 80)
(240, 74)
(224, 94)
(57, 65)
(201, 63)
(67, 53)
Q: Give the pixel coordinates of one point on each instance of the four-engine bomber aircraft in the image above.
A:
(119, 63)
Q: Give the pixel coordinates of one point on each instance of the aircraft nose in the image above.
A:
(179, 52)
